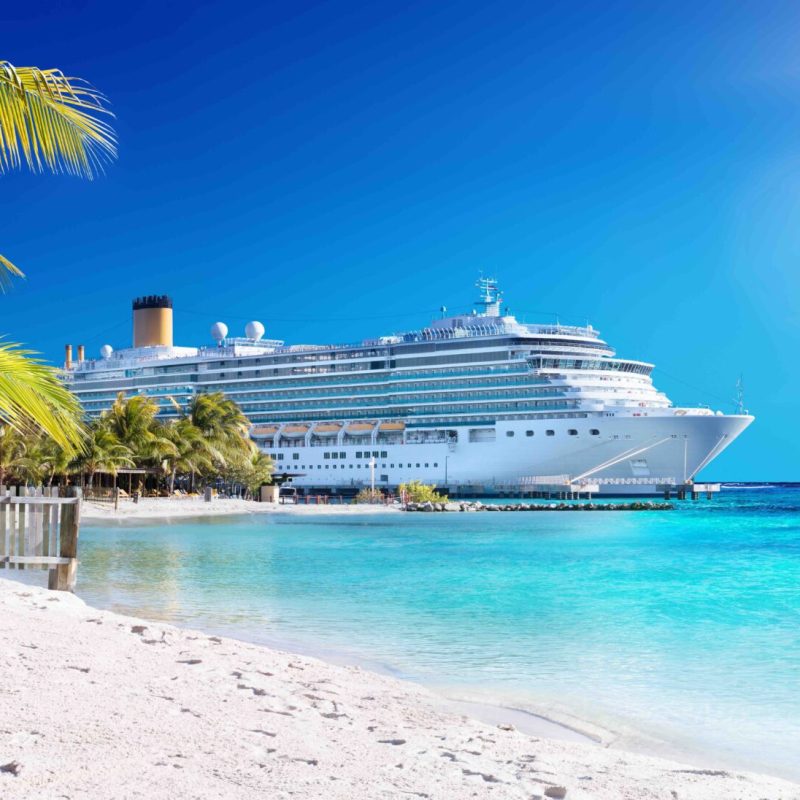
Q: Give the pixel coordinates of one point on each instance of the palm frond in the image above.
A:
(32, 398)
(8, 270)
(51, 121)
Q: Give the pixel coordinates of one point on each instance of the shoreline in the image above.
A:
(106, 705)
(538, 716)
(155, 509)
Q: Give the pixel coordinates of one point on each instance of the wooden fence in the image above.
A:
(102, 494)
(39, 530)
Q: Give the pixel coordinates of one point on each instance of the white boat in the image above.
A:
(474, 402)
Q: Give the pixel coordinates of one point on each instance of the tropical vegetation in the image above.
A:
(209, 444)
(52, 122)
(367, 495)
(418, 492)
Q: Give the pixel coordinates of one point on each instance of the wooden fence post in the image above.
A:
(63, 576)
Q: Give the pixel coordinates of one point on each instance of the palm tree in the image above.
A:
(33, 398)
(12, 452)
(192, 451)
(53, 459)
(223, 425)
(102, 451)
(131, 421)
(48, 121)
(259, 472)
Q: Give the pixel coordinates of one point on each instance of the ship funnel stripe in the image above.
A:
(152, 301)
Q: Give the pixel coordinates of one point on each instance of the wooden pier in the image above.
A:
(39, 530)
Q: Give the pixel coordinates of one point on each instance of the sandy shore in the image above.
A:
(171, 508)
(93, 704)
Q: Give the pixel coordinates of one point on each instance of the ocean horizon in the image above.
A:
(676, 633)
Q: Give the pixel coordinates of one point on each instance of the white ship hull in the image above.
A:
(631, 455)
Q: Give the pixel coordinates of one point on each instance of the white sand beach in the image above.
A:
(97, 705)
(151, 508)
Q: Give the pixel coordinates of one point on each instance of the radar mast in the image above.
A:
(490, 297)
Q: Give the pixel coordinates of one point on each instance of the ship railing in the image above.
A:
(641, 481)
(538, 480)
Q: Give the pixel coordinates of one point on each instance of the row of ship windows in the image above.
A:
(252, 391)
(410, 408)
(438, 348)
(365, 466)
(569, 363)
(476, 393)
(428, 361)
(264, 389)
(550, 432)
(382, 353)
(341, 454)
(188, 374)
(483, 369)
(427, 420)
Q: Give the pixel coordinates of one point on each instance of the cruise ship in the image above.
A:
(475, 402)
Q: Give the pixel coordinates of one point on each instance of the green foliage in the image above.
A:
(13, 449)
(367, 495)
(33, 399)
(418, 492)
(223, 425)
(130, 434)
(47, 121)
(103, 452)
(252, 471)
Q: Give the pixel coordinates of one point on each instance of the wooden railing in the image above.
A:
(39, 530)
(101, 494)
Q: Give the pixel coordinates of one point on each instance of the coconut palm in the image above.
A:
(48, 121)
(130, 419)
(31, 465)
(54, 460)
(102, 451)
(258, 472)
(192, 452)
(223, 424)
(34, 458)
(12, 452)
(33, 398)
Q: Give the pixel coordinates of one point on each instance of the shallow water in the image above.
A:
(681, 627)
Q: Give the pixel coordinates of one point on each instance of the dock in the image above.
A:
(506, 507)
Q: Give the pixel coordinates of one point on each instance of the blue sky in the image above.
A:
(339, 170)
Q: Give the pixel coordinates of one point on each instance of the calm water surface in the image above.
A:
(681, 626)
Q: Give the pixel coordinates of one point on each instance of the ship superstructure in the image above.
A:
(476, 400)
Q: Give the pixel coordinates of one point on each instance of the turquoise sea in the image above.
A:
(677, 630)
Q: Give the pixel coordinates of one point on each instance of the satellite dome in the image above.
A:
(106, 350)
(254, 330)
(219, 330)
